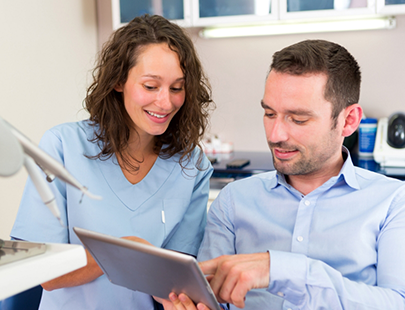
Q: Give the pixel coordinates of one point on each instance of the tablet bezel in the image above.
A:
(148, 269)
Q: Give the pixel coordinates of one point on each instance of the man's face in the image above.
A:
(298, 124)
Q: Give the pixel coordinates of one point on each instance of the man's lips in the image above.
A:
(284, 154)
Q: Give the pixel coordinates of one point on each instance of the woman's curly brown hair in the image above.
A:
(106, 105)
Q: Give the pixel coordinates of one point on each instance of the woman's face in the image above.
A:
(154, 90)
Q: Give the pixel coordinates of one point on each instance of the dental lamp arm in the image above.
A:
(42, 187)
(48, 164)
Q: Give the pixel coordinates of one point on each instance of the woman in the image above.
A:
(139, 150)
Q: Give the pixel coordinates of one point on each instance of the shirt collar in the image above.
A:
(347, 173)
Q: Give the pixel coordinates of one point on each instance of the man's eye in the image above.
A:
(269, 114)
(298, 122)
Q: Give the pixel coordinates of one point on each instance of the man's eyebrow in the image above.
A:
(265, 106)
(301, 112)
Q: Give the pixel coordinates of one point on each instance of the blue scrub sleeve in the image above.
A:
(188, 234)
(34, 221)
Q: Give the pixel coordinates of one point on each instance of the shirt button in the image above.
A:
(307, 202)
(281, 294)
(300, 238)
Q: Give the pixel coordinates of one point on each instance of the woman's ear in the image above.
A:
(353, 114)
(118, 88)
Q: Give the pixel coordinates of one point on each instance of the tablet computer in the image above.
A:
(148, 269)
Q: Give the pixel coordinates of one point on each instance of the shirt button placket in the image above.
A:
(302, 225)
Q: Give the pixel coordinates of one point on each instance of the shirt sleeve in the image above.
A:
(219, 237)
(306, 283)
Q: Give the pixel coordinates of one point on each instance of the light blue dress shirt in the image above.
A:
(125, 210)
(342, 246)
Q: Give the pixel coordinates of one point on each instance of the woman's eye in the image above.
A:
(177, 89)
(149, 87)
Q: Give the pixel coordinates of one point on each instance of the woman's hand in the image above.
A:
(81, 276)
(137, 239)
(181, 302)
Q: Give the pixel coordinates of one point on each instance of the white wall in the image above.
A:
(237, 68)
(47, 50)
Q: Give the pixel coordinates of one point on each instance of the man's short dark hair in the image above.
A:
(318, 56)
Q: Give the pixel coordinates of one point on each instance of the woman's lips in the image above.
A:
(156, 117)
(156, 114)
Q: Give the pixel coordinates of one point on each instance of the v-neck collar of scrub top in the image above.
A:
(134, 195)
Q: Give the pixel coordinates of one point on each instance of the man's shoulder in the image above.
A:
(371, 176)
(265, 179)
(378, 183)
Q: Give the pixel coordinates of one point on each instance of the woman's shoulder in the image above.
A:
(73, 129)
(73, 134)
(195, 166)
(195, 159)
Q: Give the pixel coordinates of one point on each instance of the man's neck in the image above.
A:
(311, 181)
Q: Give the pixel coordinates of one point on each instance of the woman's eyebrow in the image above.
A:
(158, 77)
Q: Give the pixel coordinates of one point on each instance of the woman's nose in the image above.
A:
(163, 99)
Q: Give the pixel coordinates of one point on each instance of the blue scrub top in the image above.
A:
(125, 210)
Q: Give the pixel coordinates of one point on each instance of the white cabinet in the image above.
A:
(321, 9)
(201, 13)
(112, 14)
(220, 12)
(392, 7)
(195, 13)
(124, 11)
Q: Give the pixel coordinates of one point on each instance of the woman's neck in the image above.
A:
(139, 158)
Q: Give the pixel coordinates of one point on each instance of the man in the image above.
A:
(317, 233)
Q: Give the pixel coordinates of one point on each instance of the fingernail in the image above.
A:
(182, 298)
(173, 297)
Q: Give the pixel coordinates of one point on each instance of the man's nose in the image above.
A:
(276, 131)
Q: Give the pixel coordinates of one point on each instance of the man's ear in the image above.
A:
(353, 114)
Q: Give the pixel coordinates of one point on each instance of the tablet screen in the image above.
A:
(148, 269)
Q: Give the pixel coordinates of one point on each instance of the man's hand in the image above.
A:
(232, 276)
